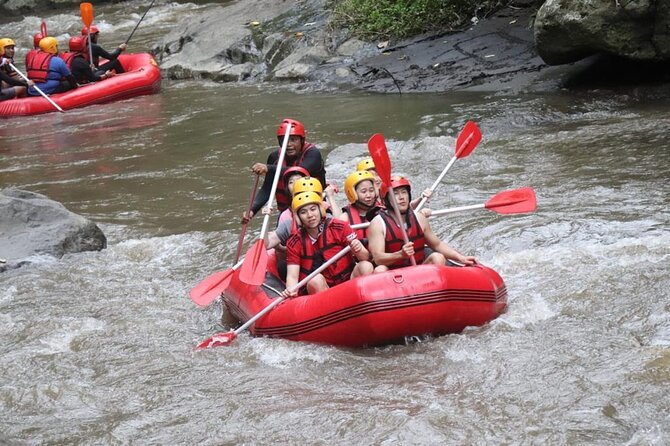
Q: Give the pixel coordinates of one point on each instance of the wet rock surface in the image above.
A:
(570, 30)
(292, 42)
(32, 224)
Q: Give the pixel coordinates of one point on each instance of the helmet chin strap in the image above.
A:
(363, 205)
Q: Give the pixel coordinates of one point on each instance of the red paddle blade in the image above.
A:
(468, 139)
(218, 340)
(380, 156)
(43, 29)
(516, 201)
(252, 271)
(210, 288)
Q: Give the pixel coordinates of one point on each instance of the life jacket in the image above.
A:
(356, 219)
(282, 195)
(315, 254)
(68, 58)
(37, 65)
(395, 242)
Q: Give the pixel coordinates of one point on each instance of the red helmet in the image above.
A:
(399, 181)
(94, 30)
(295, 169)
(296, 128)
(78, 43)
(396, 182)
(36, 40)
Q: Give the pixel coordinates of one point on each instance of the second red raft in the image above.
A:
(142, 77)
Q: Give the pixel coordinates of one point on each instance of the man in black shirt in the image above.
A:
(98, 52)
(77, 60)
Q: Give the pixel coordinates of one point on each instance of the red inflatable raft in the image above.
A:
(142, 76)
(374, 310)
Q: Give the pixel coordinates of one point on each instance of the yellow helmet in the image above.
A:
(305, 198)
(307, 184)
(49, 45)
(352, 181)
(366, 164)
(5, 42)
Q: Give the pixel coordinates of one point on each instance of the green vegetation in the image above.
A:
(378, 19)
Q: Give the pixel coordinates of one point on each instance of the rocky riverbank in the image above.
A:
(513, 50)
(292, 42)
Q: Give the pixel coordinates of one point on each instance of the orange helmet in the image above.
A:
(307, 184)
(352, 181)
(305, 198)
(49, 45)
(365, 164)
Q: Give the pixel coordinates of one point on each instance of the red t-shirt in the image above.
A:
(301, 250)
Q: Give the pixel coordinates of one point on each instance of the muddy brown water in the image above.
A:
(97, 347)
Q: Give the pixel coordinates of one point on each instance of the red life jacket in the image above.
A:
(315, 254)
(282, 195)
(68, 58)
(37, 65)
(395, 242)
(356, 219)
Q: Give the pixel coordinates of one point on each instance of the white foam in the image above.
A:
(8, 294)
(60, 340)
(284, 354)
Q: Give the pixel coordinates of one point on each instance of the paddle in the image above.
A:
(36, 88)
(140, 21)
(240, 242)
(43, 29)
(517, 201)
(465, 144)
(380, 156)
(226, 338)
(86, 10)
(253, 268)
(212, 286)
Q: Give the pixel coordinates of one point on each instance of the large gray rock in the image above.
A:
(31, 223)
(569, 30)
(240, 41)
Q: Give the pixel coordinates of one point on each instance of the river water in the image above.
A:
(97, 347)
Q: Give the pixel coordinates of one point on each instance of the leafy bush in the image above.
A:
(376, 19)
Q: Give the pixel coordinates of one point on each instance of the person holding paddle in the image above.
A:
(386, 243)
(319, 239)
(287, 223)
(77, 61)
(299, 152)
(10, 86)
(97, 52)
(367, 164)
